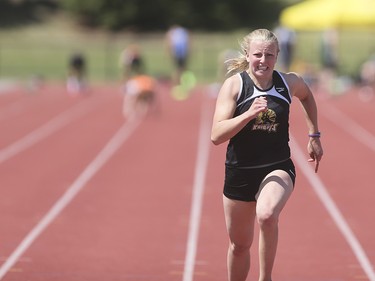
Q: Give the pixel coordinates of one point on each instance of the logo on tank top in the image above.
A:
(265, 121)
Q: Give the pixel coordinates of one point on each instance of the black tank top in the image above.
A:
(264, 140)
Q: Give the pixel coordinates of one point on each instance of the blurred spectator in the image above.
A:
(287, 41)
(367, 72)
(329, 61)
(329, 45)
(131, 61)
(367, 79)
(178, 43)
(76, 77)
(35, 84)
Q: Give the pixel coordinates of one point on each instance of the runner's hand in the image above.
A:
(315, 151)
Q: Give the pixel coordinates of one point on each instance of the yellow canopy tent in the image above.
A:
(323, 14)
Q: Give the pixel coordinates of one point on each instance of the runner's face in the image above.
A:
(262, 57)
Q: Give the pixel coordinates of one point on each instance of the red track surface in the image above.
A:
(130, 220)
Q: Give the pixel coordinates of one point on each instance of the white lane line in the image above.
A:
(332, 209)
(104, 155)
(349, 125)
(198, 190)
(45, 130)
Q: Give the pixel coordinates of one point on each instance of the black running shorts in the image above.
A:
(243, 183)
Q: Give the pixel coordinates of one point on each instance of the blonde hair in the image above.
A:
(240, 63)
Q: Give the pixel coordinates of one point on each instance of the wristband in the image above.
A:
(315, 135)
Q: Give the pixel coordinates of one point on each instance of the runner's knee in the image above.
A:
(238, 249)
(267, 218)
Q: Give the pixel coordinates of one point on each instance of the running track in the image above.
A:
(87, 195)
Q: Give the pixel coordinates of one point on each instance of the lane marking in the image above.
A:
(47, 129)
(201, 164)
(349, 125)
(104, 155)
(333, 210)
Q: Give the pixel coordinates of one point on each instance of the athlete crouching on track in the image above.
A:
(252, 113)
(140, 95)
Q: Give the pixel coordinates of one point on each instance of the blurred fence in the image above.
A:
(49, 59)
(22, 62)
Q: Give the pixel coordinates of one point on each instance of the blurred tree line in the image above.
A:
(20, 12)
(148, 15)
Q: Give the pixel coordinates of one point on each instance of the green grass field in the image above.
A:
(44, 50)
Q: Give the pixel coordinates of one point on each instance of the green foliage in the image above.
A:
(152, 15)
(14, 13)
(148, 15)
